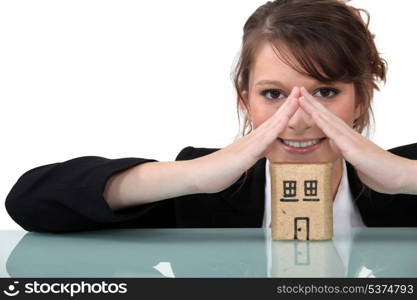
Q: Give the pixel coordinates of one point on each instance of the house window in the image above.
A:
(310, 189)
(290, 190)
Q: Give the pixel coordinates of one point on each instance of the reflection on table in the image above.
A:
(220, 252)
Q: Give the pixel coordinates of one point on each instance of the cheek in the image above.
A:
(344, 111)
(261, 114)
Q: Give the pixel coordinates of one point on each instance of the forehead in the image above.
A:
(270, 65)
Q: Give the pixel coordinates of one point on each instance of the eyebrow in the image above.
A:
(268, 82)
(276, 82)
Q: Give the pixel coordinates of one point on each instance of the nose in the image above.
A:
(300, 121)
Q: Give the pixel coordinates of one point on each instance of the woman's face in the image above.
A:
(271, 81)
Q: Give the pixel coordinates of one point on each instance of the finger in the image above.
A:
(323, 111)
(286, 114)
(312, 106)
(287, 102)
(341, 136)
(286, 111)
(276, 116)
(322, 122)
(282, 118)
(308, 106)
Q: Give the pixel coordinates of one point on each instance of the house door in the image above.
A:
(301, 228)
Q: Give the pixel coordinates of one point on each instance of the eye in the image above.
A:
(272, 94)
(275, 95)
(327, 92)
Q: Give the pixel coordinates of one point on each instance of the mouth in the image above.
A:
(301, 146)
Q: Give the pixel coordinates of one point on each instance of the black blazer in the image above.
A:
(68, 197)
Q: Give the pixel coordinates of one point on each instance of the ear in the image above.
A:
(358, 109)
(244, 102)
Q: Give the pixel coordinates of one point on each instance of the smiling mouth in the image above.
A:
(301, 143)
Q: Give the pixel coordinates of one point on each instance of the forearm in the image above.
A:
(150, 182)
(410, 177)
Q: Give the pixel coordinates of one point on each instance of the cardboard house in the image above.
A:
(302, 202)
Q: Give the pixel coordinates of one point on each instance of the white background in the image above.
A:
(148, 78)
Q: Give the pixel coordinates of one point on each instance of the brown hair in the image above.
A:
(329, 40)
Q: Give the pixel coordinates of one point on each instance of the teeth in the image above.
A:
(301, 144)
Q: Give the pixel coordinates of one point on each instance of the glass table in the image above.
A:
(207, 252)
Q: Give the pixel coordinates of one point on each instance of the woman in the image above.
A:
(304, 81)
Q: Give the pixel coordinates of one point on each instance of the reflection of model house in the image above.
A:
(305, 259)
(301, 201)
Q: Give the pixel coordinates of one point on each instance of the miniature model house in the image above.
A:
(302, 204)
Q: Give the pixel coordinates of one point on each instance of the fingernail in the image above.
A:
(303, 90)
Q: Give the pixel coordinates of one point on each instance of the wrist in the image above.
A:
(409, 181)
(191, 168)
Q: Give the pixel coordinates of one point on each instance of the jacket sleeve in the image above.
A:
(387, 210)
(402, 208)
(68, 197)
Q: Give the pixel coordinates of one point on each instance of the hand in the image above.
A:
(222, 168)
(377, 168)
